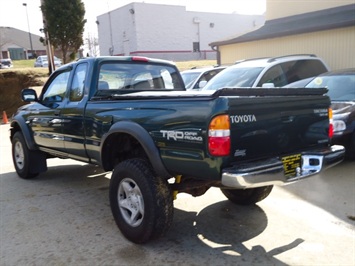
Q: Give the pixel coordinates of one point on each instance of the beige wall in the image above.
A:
(331, 45)
(283, 8)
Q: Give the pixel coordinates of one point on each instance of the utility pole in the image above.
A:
(29, 31)
(51, 66)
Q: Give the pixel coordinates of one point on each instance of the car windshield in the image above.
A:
(189, 77)
(340, 88)
(45, 58)
(234, 78)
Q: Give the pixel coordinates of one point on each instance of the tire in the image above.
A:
(247, 196)
(350, 152)
(141, 203)
(21, 157)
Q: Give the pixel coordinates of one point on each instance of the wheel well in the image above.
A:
(14, 128)
(119, 147)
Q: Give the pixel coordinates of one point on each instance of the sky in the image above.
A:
(14, 13)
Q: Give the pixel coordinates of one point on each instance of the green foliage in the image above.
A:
(26, 63)
(65, 24)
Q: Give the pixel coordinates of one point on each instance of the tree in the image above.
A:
(64, 22)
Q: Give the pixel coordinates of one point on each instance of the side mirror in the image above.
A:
(202, 84)
(29, 95)
(268, 85)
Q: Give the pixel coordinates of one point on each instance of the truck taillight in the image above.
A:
(219, 136)
(331, 126)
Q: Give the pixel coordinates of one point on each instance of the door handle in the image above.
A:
(57, 112)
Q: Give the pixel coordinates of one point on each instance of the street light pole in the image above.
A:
(29, 31)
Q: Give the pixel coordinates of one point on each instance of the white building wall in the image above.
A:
(116, 30)
(168, 31)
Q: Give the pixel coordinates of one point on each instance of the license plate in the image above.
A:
(291, 164)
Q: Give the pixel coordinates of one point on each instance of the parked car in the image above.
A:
(341, 91)
(196, 78)
(268, 72)
(42, 61)
(6, 63)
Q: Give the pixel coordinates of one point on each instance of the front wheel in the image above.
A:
(21, 157)
(141, 203)
(247, 196)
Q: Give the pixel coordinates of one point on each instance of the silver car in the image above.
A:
(268, 72)
(42, 61)
(196, 78)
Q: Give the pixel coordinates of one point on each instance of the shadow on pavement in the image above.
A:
(69, 205)
(333, 191)
(218, 231)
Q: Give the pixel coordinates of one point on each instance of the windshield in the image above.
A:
(45, 58)
(233, 77)
(189, 77)
(340, 88)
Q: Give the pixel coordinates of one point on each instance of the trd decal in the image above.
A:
(181, 135)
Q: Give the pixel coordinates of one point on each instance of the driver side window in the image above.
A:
(57, 88)
(274, 75)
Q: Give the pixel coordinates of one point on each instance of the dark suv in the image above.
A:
(268, 72)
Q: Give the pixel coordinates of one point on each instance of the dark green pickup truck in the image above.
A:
(132, 116)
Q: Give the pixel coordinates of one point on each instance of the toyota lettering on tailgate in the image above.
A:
(236, 119)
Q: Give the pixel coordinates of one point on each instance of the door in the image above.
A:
(73, 115)
(46, 121)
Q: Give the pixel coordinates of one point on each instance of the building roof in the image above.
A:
(11, 36)
(332, 18)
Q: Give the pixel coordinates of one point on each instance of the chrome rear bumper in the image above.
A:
(271, 171)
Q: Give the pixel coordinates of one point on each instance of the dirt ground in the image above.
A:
(11, 84)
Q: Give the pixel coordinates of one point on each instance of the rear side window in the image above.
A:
(301, 69)
(288, 72)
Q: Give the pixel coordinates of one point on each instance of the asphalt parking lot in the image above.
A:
(63, 217)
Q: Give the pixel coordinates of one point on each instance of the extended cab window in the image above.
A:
(55, 91)
(77, 86)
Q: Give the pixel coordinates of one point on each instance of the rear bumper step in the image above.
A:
(271, 171)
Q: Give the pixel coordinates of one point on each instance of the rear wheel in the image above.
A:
(247, 196)
(21, 157)
(141, 203)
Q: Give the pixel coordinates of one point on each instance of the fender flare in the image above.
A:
(19, 122)
(143, 137)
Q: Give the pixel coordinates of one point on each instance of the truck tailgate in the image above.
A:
(264, 126)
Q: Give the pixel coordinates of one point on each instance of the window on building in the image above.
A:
(196, 46)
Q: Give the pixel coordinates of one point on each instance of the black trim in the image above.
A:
(270, 92)
(140, 134)
(21, 123)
